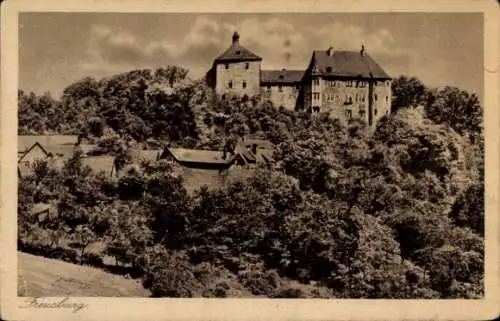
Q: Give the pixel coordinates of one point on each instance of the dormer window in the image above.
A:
(328, 69)
(238, 52)
(281, 77)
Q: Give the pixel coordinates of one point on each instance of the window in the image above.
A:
(362, 113)
(230, 84)
(363, 98)
(280, 88)
(244, 84)
(316, 109)
(356, 97)
(349, 114)
(388, 83)
(268, 87)
(227, 66)
(349, 83)
(316, 96)
(350, 100)
(328, 69)
(376, 97)
(223, 97)
(316, 81)
(375, 111)
(247, 65)
(386, 99)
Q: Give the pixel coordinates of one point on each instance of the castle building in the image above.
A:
(344, 84)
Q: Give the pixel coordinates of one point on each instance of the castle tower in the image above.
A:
(236, 71)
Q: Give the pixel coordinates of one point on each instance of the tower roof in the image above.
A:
(236, 52)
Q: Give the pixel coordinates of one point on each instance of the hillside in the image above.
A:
(40, 276)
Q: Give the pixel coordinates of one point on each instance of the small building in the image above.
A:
(28, 158)
(212, 168)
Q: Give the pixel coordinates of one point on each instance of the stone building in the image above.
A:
(345, 84)
(236, 71)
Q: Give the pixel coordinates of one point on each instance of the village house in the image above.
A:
(200, 168)
(344, 84)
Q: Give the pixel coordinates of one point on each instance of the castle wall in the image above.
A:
(281, 95)
(237, 78)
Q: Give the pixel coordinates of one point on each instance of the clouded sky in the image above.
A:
(57, 49)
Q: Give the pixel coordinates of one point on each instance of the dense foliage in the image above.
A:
(342, 213)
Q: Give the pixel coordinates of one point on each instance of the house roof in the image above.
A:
(236, 52)
(29, 149)
(263, 153)
(198, 156)
(26, 141)
(281, 76)
(346, 64)
(99, 163)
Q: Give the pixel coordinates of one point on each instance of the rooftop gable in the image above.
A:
(343, 63)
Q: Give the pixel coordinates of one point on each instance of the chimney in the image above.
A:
(236, 37)
(329, 52)
(362, 52)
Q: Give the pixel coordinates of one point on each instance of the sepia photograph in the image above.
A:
(250, 155)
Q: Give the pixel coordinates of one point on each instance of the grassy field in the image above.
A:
(39, 276)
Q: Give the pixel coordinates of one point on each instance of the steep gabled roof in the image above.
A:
(346, 64)
(36, 144)
(281, 76)
(236, 52)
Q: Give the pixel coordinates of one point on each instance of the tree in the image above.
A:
(468, 210)
(407, 92)
(458, 109)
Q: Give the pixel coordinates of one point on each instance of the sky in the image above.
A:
(57, 49)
